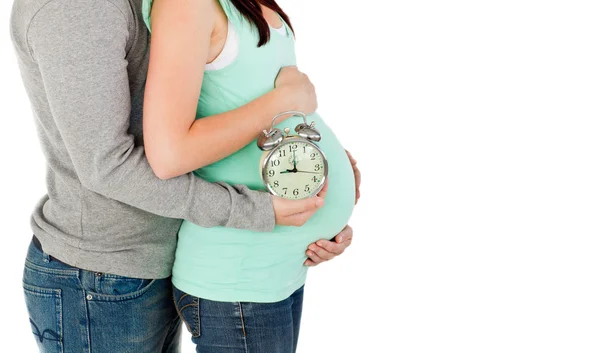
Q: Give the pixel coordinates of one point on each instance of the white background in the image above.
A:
(475, 124)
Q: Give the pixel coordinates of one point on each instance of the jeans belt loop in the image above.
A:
(46, 257)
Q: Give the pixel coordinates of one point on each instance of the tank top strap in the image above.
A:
(146, 10)
(247, 34)
(232, 13)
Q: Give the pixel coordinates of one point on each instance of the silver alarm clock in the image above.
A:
(292, 165)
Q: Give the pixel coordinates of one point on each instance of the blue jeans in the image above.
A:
(239, 327)
(74, 310)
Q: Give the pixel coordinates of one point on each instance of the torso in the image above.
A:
(225, 264)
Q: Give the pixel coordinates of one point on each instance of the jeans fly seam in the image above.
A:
(197, 315)
(243, 327)
(60, 321)
(87, 321)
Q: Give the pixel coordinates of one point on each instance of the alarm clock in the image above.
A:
(292, 166)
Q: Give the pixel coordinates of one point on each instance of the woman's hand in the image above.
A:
(297, 89)
(356, 175)
(325, 250)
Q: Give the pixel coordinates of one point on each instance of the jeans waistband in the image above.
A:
(38, 245)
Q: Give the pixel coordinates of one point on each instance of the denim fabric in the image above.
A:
(74, 310)
(241, 327)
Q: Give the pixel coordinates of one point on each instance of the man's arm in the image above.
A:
(80, 48)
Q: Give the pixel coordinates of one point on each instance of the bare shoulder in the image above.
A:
(184, 9)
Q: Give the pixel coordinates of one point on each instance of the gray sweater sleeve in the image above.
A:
(83, 65)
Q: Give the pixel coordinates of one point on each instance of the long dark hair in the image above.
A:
(252, 11)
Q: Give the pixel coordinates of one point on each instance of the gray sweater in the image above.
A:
(84, 63)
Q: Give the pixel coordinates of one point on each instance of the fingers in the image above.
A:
(310, 263)
(288, 68)
(352, 160)
(342, 241)
(295, 212)
(300, 91)
(357, 175)
(319, 252)
(330, 247)
(291, 207)
(346, 234)
(298, 219)
(316, 259)
(325, 250)
(323, 191)
(286, 74)
(306, 205)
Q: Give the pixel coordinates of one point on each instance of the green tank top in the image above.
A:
(225, 264)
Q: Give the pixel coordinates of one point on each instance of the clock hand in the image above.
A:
(295, 162)
(303, 171)
(289, 171)
(295, 170)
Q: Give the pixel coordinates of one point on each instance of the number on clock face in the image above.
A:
(295, 170)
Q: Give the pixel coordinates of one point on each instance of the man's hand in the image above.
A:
(297, 212)
(325, 250)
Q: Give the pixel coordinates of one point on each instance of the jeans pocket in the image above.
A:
(45, 316)
(117, 285)
(188, 308)
(109, 287)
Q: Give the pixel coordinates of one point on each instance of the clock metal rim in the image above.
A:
(285, 141)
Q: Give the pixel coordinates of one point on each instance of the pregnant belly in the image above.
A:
(241, 256)
(243, 168)
(239, 265)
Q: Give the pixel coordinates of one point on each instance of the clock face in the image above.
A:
(295, 169)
